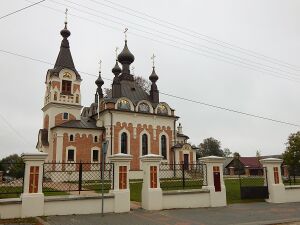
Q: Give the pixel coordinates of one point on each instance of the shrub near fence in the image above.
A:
(293, 177)
(67, 177)
(11, 184)
(182, 176)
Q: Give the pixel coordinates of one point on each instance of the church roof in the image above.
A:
(83, 123)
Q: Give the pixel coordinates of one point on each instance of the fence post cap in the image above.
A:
(151, 158)
(120, 157)
(271, 161)
(34, 156)
(212, 159)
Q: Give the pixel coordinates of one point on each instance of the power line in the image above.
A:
(221, 58)
(9, 14)
(174, 96)
(195, 34)
(191, 44)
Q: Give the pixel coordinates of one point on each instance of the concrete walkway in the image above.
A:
(236, 214)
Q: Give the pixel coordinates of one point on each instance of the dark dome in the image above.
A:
(116, 70)
(153, 77)
(99, 81)
(126, 57)
(65, 32)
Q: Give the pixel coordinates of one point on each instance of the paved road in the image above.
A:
(236, 214)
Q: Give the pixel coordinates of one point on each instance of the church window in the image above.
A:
(55, 96)
(144, 144)
(77, 98)
(124, 143)
(71, 137)
(124, 104)
(95, 155)
(66, 87)
(65, 116)
(163, 142)
(143, 107)
(71, 155)
(96, 139)
(162, 109)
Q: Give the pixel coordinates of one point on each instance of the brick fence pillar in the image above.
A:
(151, 191)
(275, 186)
(121, 181)
(33, 197)
(215, 181)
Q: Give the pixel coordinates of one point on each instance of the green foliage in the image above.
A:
(211, 146)
(12, 166)
(291, 155)
(227, 152)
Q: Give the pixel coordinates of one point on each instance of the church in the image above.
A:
(132, 120)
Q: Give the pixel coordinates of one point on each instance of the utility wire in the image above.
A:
(174, 96)
(19, 10)
(195, 34)
(191, 44)
(219, 58)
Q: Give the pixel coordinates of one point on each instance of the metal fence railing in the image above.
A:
(72, 177)
(182, 176)
(11, 179)
(291, 176)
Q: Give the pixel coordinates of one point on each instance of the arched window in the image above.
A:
(124, 143)
(163, 142)
(144, 144)
(96, 139)
(71, 137)
(77, 98)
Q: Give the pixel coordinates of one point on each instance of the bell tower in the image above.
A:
(62, 100)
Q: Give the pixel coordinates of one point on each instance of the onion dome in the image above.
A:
(99, 82)
(65, 33)
(153, 77)
(126, 57)
(116, 70)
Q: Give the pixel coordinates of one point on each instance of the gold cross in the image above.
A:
(100, 62)
(153, 58)
(66, 16)
(125, 32)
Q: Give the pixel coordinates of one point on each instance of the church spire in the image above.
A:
(64, 58)
(116, 85)
(126, 58)
(99, 82)
(154, 93)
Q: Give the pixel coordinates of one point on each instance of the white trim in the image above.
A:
(95, 149)
(141, 142)
(166, 105)
(128, 140)
(167, 146)
(69, 135)
(64, 114)
(71, 147)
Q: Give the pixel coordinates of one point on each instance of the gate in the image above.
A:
(254, 186)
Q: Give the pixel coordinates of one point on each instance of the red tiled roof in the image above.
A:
(252, 162)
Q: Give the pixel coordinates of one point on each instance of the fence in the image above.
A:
(292, 175)
(67, 177)
(11, 179)
(182, 176)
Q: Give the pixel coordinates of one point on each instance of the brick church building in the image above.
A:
(132, 121)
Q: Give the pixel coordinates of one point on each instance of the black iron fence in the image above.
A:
(182, 176)
(291, 175)
(11, 179)
(63, 178)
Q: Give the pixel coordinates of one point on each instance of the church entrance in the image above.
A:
(186, 161)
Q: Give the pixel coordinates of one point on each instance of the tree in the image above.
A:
(143, 83)
(211, 146)
(12, 166)
(291, 155)
(227, 152)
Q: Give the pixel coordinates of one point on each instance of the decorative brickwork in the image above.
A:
(33, 179)
(59, 118)
(123, 177)
(55, 84)
(276, 176)
(76, 87)
(153, 176)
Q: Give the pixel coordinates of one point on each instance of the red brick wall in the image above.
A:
(46, 122)
(59, 118)
(135, 143)
(84, 144)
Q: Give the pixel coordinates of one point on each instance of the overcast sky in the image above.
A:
(223, 76)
